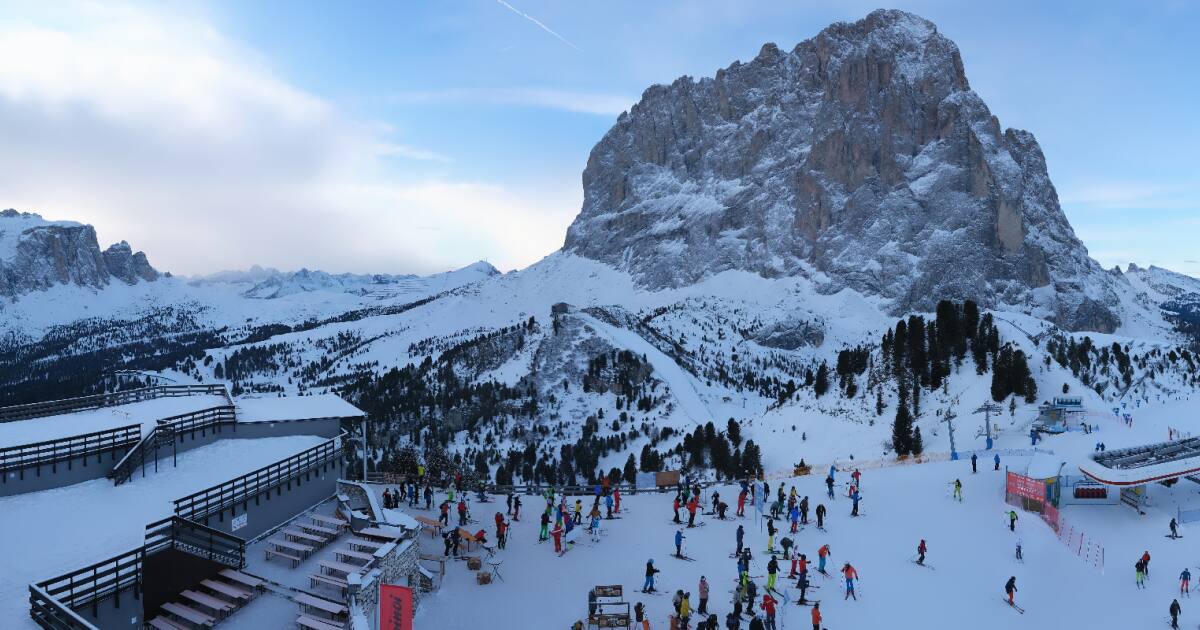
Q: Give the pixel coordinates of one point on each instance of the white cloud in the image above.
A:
(567, 100)
(537, 22)
(158, 130)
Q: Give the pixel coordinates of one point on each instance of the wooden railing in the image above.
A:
(165, 434)
(51, 600)
(96, 401)
(199, 540)
(200, 505)
(51, 452)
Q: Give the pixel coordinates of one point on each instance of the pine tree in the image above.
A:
(734, 431)
(879, 402)
(630, 472)
(902, 426)
(822, 383)
(918, 445)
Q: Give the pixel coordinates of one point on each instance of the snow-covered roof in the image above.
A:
(1043, 466)
(146, 413)
(285, 408)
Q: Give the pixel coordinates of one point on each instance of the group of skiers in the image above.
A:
(408, 492)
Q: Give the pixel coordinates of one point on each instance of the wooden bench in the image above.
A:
(287, 545)
(227, 590)
(362, 544)
(219, 606)
(307, 601)
(189, 614)
(163, 623)
(375, 532)
(336, 523)
(273, 553)
(319, 529)
(434, 527)
(355, 555)
(243, 579)
(334, 567)
(312, 623)
(316, 579)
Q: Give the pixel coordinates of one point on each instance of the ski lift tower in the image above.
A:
(948, 418)
(987, 409)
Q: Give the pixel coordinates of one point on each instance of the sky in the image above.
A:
(416, 137)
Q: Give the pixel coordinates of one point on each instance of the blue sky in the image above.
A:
(397, 137)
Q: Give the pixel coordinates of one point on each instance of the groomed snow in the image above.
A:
(46, 534)
(147, 413)
(282, 408)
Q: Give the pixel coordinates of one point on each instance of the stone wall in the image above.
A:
(394, 564)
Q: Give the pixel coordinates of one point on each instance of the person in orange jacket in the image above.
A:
(692, 506)
(676, 508)
(850, 575)
(822, 554)
(816, 616)
(768, 605)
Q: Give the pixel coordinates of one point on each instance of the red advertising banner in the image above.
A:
(395, 607)
(1023, 486)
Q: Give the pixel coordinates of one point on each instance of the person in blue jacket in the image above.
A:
(996, 461)
(679, 542)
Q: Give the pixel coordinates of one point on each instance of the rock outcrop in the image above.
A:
(36, 255)
(861, 159)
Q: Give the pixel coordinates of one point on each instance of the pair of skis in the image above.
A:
(1013, 606)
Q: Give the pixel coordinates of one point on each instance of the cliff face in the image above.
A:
(860, 159)
(36, 254)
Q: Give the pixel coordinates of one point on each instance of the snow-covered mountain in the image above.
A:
(36, 254)
(862, 159)
(745, 246)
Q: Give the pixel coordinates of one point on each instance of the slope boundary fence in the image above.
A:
(1032, 495)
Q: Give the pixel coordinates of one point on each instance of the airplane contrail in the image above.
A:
(540, 25)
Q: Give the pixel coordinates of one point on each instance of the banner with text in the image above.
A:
(395, 607)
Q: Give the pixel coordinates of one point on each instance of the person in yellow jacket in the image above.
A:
(685, 610)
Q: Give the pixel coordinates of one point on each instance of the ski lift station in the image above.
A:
(1059, 415)
(178, 506)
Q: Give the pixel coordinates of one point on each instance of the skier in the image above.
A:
(804, 511)
(517, 509)
(1139, 569)
(816, 616)
(921, 550)
(741, 534)
(721, 508)
(595, 526)
(544, 532)
(1146, 563)
(799, 565)
(829, 484)
(768, 604)
(857, 476)
(1010, 587)
(733, 622)
(676, 507)
(578, 512)
(692, 506)
(685, 610)
(757, 623)
(996, 461)
(703, 591)
(639, 613)
(444, 516)
(856, 497)
(772, 573)
(974, 462)
(958, 490)
(741, 511)
(608, 505)
(428, 497)
(1012, 520)
(1174, 529)
(716, 500)
(802, 584)
(679, 543)
(648, 586)
(1019, 556)
(1175, 610)
(821, 516)
(616, 495)
(1184, 579)
(850, 574)
(771, 535)
(557, 533)
(509, 502)
(751, 595)
(822, 554)
(502, 534)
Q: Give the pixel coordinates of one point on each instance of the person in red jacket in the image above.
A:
(921, 551)
(557, 533)
(768, 604)
(444, 517)
(741, 511)
(816, 616)
(675, 506)
(850, 575)
(616, 500)
(462, 512)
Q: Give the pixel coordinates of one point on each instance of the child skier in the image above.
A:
(850, 574)
(1012, 520)
(557, 534)
(1184, 579)
(958, 490)
(1174, 529)
(1010, 587)
(648, 586)
(829, 485)
(679, 543)
(1019, 556)
(921, 551)
(822, 554)
(768, 605)
(1140, 574)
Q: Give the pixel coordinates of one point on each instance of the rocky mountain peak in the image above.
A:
(859, 159)
(36, 254)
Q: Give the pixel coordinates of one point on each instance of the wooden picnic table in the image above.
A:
(302, 536)
(308, 601)
(330, 533)
(328, 520)
(375, 532)
(242, 578)
(340, 567)
(208, 601)
(284, 544)
(227, 590)
(189, 614)
(434, 525)
(357, 555)
(362, 544)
